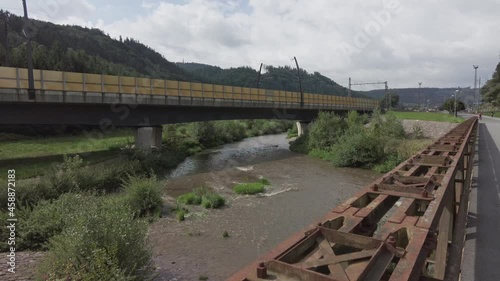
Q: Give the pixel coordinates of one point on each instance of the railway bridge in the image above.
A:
(145, 104)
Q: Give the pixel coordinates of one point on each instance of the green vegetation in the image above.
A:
(63, 145)
(100, 241)
(449, 105)
(428, 116)
(491, 90)
(225, 234)
(143, 196)
(274, 78)
(252, 187)
(203, 278)
(202, 195)
(347, 142)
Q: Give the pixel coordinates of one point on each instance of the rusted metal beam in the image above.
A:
(397, 228)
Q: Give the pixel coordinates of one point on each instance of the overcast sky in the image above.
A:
(403, 42)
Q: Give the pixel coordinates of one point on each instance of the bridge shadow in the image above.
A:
(487, 222)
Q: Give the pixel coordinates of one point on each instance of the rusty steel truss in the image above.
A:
(407, 225)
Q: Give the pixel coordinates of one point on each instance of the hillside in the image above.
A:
(275, 78)
(79, 49)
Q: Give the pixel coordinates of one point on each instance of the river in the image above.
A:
(302, 190)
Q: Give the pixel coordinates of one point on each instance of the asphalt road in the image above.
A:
(482, 247)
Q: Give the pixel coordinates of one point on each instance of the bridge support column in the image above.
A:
(147, 137)
(302, 128)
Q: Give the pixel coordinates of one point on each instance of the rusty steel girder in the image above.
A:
(407, 225)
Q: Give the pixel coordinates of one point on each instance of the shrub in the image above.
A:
(322, 154)
(417, 131)
(357, 149)
(392, 161)
(387, 126)
(100, 242)
(203, 196)
(180, 215)
(48, 219)
(325, 130)
(143, 196)
(155, 162)
(293, 132)
(300, 145)
(212, 200)
(190, 198)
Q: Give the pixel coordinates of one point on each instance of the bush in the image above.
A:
(357, 149)
(300, 145)
(203, 196)
(392, 161)
(326, 130)
(190, 198)
(387, 126)
(143, 196)
(213, 201)
(180, 215)
(48, 219)
(100, 242)
(157, 161)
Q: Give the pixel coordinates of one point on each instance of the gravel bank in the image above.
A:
(430, 129)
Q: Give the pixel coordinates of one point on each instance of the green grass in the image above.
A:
(428, 116)
(63, 145)
(202, 196)
(251, 187)
(37, 166)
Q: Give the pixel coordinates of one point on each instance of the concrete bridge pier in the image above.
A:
(302, 127)
(147, 137)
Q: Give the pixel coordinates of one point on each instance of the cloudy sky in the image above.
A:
(401, 41)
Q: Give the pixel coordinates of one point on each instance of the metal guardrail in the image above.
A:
(57, 81)
(407, 225)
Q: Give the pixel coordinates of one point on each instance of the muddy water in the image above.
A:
(302, 190)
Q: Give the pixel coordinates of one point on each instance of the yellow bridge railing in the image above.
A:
(48, 80)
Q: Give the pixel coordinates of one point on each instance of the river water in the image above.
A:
(302, 190)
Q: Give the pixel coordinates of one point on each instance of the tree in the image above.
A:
(394, 98)
(449, 105)
(491, 90)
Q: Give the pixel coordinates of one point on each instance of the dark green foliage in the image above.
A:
(78, 49)
(357, 149)
(387, 126)
(449, 105)
(390, 163)
(190, 198)
(143, 196)
(212, 200)
(325, 130)
(225, 234)
(203, 196)
(300, 145)
(491, 90)
(274, 78)
(47, 219)
(101, 241)
(157, 161)
(390, 100)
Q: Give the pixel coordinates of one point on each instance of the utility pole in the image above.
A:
(479, 92)
(349, 91)
(300, 83)
(372, 83)
(456, 94)
(388, 95)
(475, 85)
(419, 93)
(5, 40)
(258, 76)
(31, 82)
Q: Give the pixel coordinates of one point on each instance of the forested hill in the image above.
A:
(275, 78)
(90, 50)
(79, 49)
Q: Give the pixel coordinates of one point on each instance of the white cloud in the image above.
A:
(399, 41)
